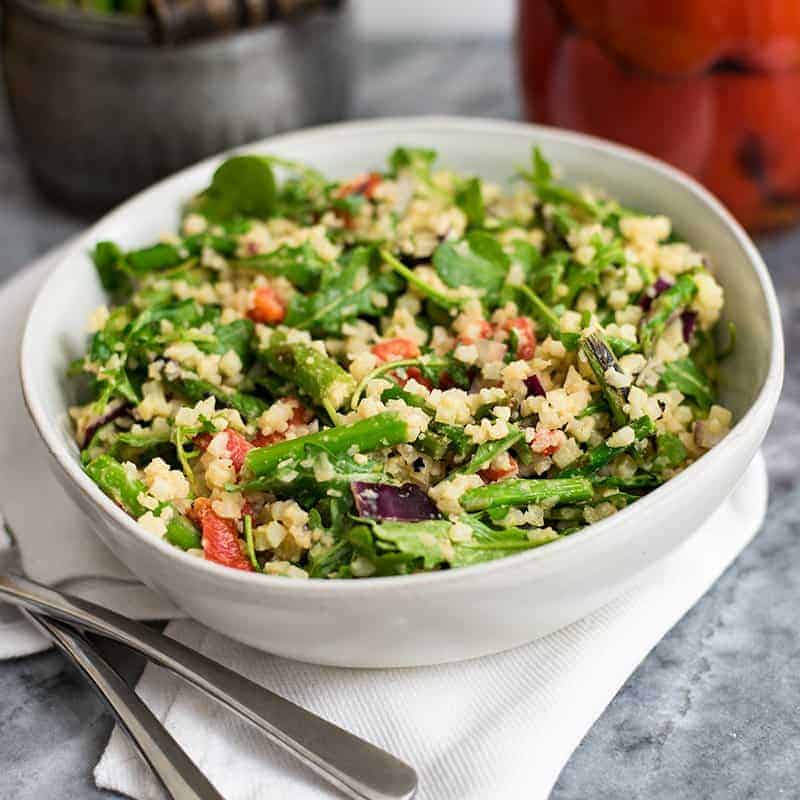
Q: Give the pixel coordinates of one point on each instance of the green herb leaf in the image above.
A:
(301, 266)
(670, 449)
(470, 200)
(685, 376)
(243, 186)
(417, 159)
(344, 293)
(477, 261)
(109, 263)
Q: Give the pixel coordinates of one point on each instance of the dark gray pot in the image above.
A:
(101, 112)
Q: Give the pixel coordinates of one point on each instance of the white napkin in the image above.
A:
(57, 546)
(499, 727)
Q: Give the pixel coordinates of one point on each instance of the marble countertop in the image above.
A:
(713, 711)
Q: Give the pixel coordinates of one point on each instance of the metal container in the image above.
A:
(101, 111)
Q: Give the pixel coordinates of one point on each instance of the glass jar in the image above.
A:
(713, 88)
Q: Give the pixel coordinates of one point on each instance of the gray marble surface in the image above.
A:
(713, 712)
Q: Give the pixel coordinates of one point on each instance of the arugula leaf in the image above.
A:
(302, 265)
(670, 449)
(549, 192)
(585, 276)
(685, 376)
(149, 259)
(242, 186)
(429, 543)
(477, 261)
(344, 293)
(109, 263)
(470, 200)
(236, 336)
(323, 560)
(550, 273)
(248, 405)
(526, 256)
(385, 561)
(445, 368)
(664, 306)
(417, 159)
(460, 443)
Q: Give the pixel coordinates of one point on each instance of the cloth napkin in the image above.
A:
(57, 547)
(499, 727)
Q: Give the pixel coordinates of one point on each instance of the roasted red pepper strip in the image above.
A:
(220, 537)
(490, 474)
(396, 349)
(236, 445)
(268, 307)
(299, 417)
(526, 338)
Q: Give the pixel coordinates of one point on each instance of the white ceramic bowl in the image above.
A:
(451, 615)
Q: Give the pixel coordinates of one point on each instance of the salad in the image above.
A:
(408, 370)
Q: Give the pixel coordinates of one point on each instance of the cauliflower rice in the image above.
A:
(407, 370)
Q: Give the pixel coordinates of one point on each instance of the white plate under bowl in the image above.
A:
(456, 614)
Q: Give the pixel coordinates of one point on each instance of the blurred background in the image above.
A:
(107, 96)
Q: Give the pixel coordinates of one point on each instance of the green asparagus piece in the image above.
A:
(678, 295)
(117, 483)
(521, 491)
(601, 455)
(182, 533)
(487, 451)
(125, 490)
(313, 472)
(433, 444)
(601, 358)
(382, 430)
(319, 376)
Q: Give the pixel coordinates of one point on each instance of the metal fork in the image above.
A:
(357, 768)
(178, 774)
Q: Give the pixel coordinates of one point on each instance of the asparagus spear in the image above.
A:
(521, 491)
(601, 358)
(182, 533)
(599, 456)
(487, 451)
(664, 306)
(125, 490)
(383, 430)
(319, 376)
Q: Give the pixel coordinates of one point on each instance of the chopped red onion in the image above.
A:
(116, 408)
(407, 503)
(661, 285)
(688, 322)
(534, 386)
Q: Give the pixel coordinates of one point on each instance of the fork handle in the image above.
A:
(359, 769)
(176, 771)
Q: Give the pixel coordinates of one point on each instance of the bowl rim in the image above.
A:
(764, 403)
